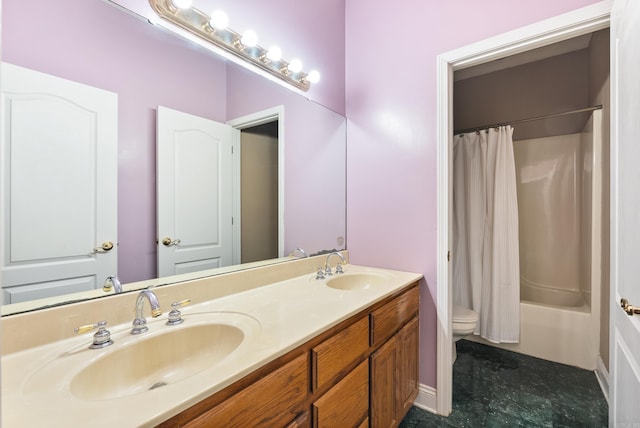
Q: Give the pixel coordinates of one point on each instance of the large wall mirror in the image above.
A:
(104, 45)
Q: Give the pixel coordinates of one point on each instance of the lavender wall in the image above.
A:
(391, 133)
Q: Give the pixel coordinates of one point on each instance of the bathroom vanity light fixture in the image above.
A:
(214, 29)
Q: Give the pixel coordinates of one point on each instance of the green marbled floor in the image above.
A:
(497, 388)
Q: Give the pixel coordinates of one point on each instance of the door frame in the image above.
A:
(240, 123)
(572, 24)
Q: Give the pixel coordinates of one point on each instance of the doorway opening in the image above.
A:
(258, 186)
(561, 157)
(259, 192)
(560, 28)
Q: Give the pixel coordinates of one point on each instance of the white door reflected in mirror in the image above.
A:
(194, 199)
(59, 204)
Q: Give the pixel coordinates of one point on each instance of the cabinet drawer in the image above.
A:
(302, 421)
(273, 401)
(386, 320)
(336, 355)
(347, 403)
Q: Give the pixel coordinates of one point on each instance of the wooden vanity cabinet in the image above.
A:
(361, 373)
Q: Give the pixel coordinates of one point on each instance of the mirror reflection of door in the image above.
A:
(59, 183)
(194, 193)
(259, 192)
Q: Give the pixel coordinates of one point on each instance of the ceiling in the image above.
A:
(560, 48)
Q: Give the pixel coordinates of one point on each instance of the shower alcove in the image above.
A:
(562, 185)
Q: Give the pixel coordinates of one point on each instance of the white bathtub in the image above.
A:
(554, 297)
(555, 325)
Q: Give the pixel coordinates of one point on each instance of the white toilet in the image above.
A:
(464, 324)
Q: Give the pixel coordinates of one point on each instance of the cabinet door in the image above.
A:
(384, 385)
(408, 380)
(394, 377)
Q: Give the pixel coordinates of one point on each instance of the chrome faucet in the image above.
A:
(140, 322)
(327, 266)
(112, 282)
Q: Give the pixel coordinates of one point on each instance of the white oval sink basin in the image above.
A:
(155, 361)
(357, 281)
(207, 343)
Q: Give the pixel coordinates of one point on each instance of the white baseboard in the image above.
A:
(426, 398)
(602, 374)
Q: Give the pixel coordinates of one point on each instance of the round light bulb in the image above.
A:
(182, 4)
(274, 53)
(249, 39)
(313, 76)
(295, 66)
(219, 20)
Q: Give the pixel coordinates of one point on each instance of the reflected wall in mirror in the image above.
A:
(313, 32)
(94, 43)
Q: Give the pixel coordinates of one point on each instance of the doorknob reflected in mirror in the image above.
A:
(168, 242)
(106, 246)
(629, 309)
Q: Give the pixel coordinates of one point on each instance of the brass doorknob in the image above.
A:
(629, 309)
(106, 246)
(168, 242)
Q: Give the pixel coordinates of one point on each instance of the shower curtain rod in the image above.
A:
(531, 119)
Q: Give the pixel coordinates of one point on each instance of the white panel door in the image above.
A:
(194, 187)
(59, 185)
(625, 219)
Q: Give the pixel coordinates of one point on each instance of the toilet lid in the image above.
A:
(463, 315)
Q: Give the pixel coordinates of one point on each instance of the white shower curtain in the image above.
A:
(486, 269)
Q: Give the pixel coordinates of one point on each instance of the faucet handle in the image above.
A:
(327, 270)
(320, 273)
(339, 269)
(175, 317)
(101, 339)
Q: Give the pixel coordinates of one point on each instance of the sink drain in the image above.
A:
(157, 385)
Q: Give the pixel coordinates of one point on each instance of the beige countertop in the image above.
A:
(277, 318)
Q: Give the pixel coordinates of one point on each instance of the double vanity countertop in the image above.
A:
(64, 383)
